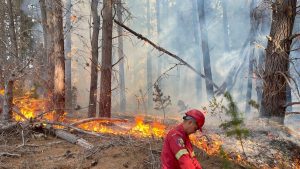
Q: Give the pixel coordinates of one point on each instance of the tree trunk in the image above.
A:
(253, 34)
(225, 27)
(12, 32)
(8, 101)
(149, 62)
(277, 59)
(205, 50)
(105, 86)
(50, 48)
(2, 45)
(94, 64)
(121, 58)
(158, 29)
(68, 57)
(59, 60)
(198, 57)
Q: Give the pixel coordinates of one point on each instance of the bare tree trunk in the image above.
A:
(253, 34)
(205, 49)
(68, 57)
(198, 54)
(149, 62)
(2, 45)
(277, 60)
(158, 29)
(94, 64)
(59, 60)
(105, 86)
(8, 101)
(50, 47)
(225, 27)
(9, 83)
(121, 58)
(12, 31)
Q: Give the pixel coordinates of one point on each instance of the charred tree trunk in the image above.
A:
(94, 64)
(277, 60)
(59, 60)
(68, 58)
(106, 69)
(121, 58)
(205, 50)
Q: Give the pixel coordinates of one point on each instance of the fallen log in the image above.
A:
(71, 138)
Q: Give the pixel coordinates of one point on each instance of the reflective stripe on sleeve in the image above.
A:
(180, 153)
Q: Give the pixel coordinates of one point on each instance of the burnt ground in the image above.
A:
(110, 152)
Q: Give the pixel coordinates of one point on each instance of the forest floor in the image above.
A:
(266, 147)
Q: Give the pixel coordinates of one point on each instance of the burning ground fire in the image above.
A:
(212, 145)
(30, 106)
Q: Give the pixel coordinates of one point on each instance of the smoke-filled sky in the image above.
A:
(179, 24)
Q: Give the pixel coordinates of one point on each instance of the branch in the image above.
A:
(294, 36)
(290, 104)
(139, 36)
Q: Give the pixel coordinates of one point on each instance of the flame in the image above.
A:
(211, 147)
(2, 91)
(141, 129)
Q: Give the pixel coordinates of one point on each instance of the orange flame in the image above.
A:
(211, 147)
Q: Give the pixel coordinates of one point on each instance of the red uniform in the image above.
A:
(177, 152)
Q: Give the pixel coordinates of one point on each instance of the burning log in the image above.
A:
(70, 137)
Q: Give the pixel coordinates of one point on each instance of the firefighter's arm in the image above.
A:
(178, 147)
(186, 162)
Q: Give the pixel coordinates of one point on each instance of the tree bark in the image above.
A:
(59, 60)
(8, 101)
(121, 58)
(205, 49)
(277, 60)
(68, 58)
(94, 64)
(106, 69)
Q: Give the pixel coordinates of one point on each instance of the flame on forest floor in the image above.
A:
(211, 146)
(2, 91)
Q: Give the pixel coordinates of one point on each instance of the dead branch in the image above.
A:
(70, 137)
(72, 127)
(9, 154)
(166, 52)
(290, 113)
(98, 119)
(291, 103)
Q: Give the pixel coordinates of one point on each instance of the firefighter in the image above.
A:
(177, 152)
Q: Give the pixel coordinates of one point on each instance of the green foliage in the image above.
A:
(235, 125)
(254, 104)
(225, 160)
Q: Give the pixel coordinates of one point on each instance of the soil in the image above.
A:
(44, 151)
